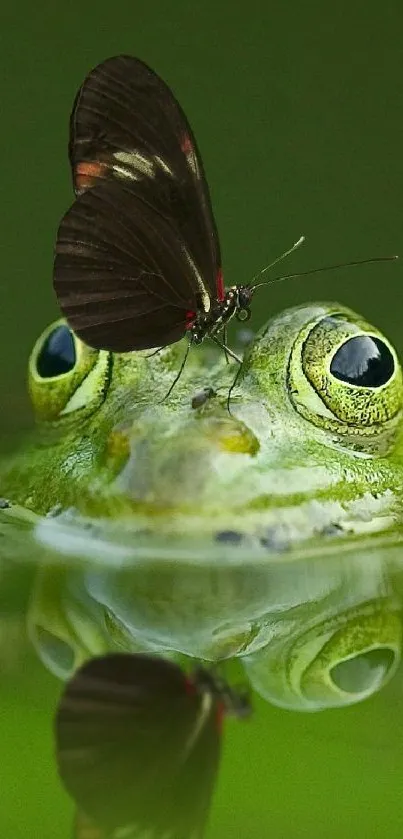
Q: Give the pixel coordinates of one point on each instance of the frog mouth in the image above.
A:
(275, 530)
(193, 540)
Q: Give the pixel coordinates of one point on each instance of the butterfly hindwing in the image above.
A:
(115, 270)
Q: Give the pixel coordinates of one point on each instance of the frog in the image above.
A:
(254, 516)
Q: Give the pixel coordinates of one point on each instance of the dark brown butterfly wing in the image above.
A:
(127, 129)
(115, 270)
(138, 747)
(127, 123)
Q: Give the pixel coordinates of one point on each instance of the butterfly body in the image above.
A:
(236, 303)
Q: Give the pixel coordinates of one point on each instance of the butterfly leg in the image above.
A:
(236, 358)
(226, 349)
(225, 341)
(155, 352)
(232, 388)
(179, 373)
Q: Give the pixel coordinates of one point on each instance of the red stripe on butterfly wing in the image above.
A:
(88, 173)
(220, 286)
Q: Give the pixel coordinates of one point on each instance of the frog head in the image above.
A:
(269, 532)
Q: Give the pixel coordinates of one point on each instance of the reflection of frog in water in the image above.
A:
(271, 533)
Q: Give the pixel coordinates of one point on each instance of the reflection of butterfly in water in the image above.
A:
(138, 745)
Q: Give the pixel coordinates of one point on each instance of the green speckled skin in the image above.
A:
(272, 533)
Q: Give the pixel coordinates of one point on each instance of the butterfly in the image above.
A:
(137, 256)
(137, 261)
(138, 746)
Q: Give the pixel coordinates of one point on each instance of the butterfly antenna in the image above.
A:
(293, 248)
(326, 268)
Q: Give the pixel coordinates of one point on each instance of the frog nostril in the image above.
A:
(229, 537)
(364, 672)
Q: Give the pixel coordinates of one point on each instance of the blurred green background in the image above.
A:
(297, 109)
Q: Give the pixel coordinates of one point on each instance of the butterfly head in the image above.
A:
(244, 298)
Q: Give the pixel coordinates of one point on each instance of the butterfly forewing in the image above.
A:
(127, 124)
(128, 131)
(138, 747)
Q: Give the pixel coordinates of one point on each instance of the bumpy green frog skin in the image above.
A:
(272, 533)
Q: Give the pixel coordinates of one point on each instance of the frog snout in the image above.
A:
(176, 466)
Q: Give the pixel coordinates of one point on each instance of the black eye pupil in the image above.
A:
(363, 361)
(58, 354)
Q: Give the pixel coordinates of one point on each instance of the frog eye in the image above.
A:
(67, 379)
(363, 361)
(64, 630)
(57, 654)
(57, 355)
(339, 662)
(345, 376)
